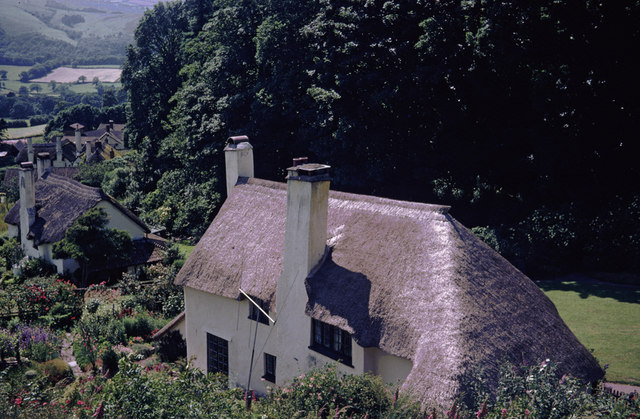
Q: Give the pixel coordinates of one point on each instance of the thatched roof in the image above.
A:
(12, 174)
(59, 203)
(404, 277)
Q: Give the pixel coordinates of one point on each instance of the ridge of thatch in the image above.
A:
(59, 203)
(404, 277)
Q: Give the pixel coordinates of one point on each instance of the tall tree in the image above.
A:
(92, 244)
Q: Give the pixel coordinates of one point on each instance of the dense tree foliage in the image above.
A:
(92, 244)
(521, 115)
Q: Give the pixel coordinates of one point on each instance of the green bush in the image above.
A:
(325, 393)
(57, 370)
(92, 306)
(109, 363)
(39, 120)
(141, 324)
(171, 347)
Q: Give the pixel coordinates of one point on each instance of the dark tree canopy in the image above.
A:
(92, 244)
(521, 115)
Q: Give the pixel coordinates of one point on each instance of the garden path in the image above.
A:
(66, 353)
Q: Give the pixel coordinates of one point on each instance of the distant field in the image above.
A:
(606, 319)
(34, 131)
(71, 75)
(13, 82)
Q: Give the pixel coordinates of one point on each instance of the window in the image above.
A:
(254, 313)
(269, 368)
(217, 354)
(331, 341)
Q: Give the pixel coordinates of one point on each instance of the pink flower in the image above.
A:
(526, 413)
(80, 403)
(504, 412)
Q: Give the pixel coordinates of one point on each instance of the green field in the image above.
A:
(35, 131)
(13, 83)
(606, 319)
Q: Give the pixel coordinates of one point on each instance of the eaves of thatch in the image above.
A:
(404, 277)
(59, 203)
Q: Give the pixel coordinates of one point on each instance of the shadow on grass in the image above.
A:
(587, 287)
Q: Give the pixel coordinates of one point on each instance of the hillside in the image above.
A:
(39, 30)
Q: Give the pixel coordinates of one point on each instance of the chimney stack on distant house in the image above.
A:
(305, 244)
(30, 150)
(43, 164)
(78, 136)
(27, 200)
(59, 152)
(238, 158)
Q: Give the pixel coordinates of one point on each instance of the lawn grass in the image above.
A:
(605, 317)
(186, 249)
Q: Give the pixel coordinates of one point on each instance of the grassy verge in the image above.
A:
(605, 317)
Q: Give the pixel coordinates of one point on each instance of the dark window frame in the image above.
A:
(254, 312)
(270, 362)
(217, 354)
(331, 341)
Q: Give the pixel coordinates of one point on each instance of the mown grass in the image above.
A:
(605, 317)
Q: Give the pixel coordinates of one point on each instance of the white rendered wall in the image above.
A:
(227, 319)
(392, 369)
(14, 230)
(120, 221)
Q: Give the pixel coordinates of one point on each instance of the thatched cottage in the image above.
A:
(399, 289)
(49, 204)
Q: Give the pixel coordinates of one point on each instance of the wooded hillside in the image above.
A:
(523, 116)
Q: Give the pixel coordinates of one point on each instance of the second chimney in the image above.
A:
(44, 164)
(27, 200)
(59, 151)
(238, 160)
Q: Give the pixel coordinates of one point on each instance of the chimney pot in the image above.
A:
(299, 161)
(237, 140)
(26, 165)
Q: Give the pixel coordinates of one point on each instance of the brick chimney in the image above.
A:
(304, 247)
(27, 200)
(238, 159)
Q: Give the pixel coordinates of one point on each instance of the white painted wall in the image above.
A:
(14, 230)
(228, 319)
(120, 221)
(392, 369)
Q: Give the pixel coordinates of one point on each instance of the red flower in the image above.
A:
(80, 402)
(18, 401)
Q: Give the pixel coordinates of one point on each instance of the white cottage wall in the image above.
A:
(118, 220)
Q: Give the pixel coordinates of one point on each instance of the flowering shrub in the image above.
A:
(539, 391)
(52, 300)
(34, 342)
